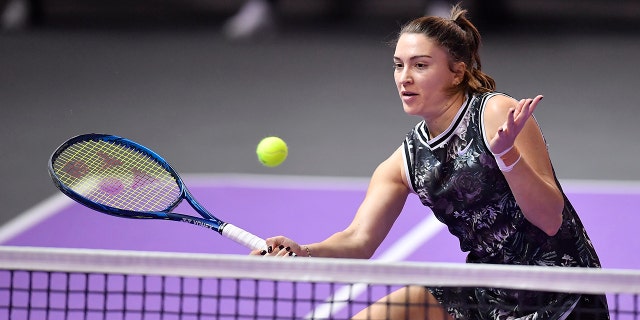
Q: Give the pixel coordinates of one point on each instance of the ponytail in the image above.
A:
(476, 80)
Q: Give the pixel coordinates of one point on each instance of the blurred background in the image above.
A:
(202, 81)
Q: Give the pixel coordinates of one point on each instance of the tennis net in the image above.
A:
(56, 283)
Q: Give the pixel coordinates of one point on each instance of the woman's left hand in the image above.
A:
(516, 119)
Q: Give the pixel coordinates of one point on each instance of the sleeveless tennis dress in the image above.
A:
(456, 176)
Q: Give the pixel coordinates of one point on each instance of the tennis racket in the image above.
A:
(119, 177)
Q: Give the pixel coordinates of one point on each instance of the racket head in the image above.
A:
(116, 176)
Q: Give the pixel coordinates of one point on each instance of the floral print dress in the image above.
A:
(456, 176)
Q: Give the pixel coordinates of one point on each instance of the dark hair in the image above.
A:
(462, 40)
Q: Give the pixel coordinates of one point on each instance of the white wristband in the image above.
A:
(497, 155)
(503, 166)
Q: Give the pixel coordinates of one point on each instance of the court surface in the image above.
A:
(303, 208)
(307, 209)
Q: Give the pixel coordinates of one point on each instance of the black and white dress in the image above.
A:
(456, 176)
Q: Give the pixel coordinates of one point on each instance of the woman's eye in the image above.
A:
(421, 65)
(397, 66)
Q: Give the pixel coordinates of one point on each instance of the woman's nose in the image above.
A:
(405, 77)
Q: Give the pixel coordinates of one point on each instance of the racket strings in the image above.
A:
(116, 175)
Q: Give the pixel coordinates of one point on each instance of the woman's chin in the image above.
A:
(410, 111)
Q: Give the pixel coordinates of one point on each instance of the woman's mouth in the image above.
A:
(407, 95)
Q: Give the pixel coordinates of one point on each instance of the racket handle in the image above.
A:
(243, 237)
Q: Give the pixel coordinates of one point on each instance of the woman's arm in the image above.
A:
(384, 200)
(509, 123)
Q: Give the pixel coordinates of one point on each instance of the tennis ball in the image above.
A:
(272, 151)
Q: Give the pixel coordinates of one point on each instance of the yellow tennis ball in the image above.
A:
(272, 151)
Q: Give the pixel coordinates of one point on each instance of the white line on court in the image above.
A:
(277, 181)
(33, 216)
(400, 250)
(360, 183)
(601, 186)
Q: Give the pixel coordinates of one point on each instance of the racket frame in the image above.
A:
(209, 221)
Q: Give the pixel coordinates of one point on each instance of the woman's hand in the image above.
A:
(516, 119)
(280, 247)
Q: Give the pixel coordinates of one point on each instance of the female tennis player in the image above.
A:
(479, 161)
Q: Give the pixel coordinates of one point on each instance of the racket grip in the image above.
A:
(243, 237)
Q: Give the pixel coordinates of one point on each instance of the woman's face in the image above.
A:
(422, 74)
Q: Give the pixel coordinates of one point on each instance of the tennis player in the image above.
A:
(479, 161)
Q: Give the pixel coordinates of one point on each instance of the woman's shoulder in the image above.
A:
(498, 103)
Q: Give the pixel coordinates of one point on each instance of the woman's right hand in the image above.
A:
(280, 246)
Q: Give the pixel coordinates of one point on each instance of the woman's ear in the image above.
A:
(458, 72)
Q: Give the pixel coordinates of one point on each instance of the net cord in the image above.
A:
(575, 280)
